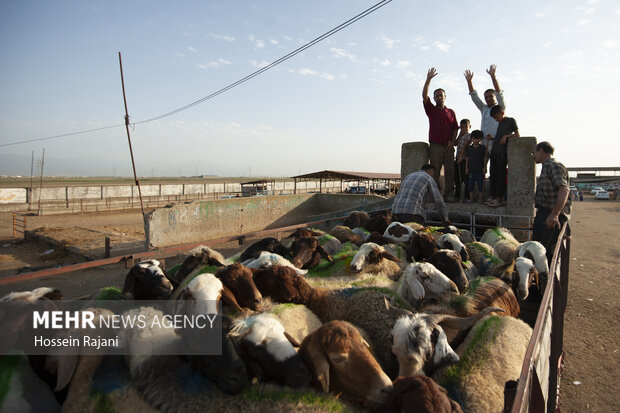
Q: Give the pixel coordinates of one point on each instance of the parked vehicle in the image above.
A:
(596, 189)
(602, 194)
(356, 190)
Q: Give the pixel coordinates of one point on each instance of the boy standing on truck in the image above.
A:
(475, 165)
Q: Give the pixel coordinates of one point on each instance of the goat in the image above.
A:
(147, 280)
(238, 279)
(418, 394)
(268, 350)
(339, 361)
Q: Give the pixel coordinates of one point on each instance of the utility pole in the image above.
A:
(41, 182)
(31, 179)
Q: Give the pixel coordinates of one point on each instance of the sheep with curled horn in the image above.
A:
(420, 343)
(339, 361)
(491, 355)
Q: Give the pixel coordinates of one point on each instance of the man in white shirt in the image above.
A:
(492, 97)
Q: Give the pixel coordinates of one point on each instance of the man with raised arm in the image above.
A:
(442, 130)
(492, 97)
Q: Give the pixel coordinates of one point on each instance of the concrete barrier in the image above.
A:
(200, 221)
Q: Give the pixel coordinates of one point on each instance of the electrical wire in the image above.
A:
(230, 86)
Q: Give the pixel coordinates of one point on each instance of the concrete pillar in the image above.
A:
(521, 181)
(412, 156)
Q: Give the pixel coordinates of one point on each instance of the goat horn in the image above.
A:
(460, 323)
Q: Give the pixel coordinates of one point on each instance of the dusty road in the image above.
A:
(591, 376)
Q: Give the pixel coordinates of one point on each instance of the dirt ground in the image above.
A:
(590, 376)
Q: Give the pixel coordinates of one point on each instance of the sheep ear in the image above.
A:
(415, 288)
(318, 360)
(66, 368)
(444, 354)
(324, 253)
(229, 297)
(396, 311)
(291, 339)
(388, 256)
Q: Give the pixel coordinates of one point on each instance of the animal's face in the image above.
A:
(303, 251)
(420, 346)
(278, 283)
(434, 283)
(525, 274)
(239, 279)
(147, 280)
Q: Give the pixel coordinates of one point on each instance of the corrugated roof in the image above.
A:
(347, 175)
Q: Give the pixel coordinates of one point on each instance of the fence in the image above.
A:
(19, 225)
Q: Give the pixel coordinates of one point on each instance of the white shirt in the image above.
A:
(488, 124)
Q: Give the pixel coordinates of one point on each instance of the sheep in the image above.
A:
(356, 219)
(206, 288)
(378, 238)
(25, 391)
(420, 343)
(198, 257)
(519, 275)
(535, 251)
(492, 235)
(147, 280)
(306, 252)
(34, 295)
(379, 222)
(491, 355)
(452, 242)
(376, 259)
(418, 394)
(362, 232)
(266, 260)
(421, 246)
(340, 361)
(482, 256)
(330, 244)
(345, 234)
(265, 244)
(297, 319)
(422, 280)
(278, 283)
(268, 350)
(239, 280)
(305, 233)
(398, 232)
(449, 262)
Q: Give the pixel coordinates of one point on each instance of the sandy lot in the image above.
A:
(590, 377)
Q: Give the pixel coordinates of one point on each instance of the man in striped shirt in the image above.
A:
(552, 200)
(409, 203)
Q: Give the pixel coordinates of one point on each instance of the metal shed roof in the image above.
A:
(347, 175)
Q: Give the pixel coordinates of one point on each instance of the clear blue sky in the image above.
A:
(347, 103)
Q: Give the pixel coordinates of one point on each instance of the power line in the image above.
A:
(230, 86)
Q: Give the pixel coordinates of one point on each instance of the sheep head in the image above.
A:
(147, 280)
(452, 242)
(421, 246)
(449, 262)
(282, 284)
(398, 232)
(422, 279)
(525, 273)
(369, 254)
(307, 252)
(269, 351)
(238, 279)
(199, 257)
(420, 393)
(339, 360)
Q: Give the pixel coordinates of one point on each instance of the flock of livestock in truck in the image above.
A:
(372, 315)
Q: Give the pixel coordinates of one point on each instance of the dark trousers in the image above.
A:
(460, 177)
(547, 237)
(497, 175)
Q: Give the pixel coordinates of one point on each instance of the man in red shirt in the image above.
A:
(441, 134)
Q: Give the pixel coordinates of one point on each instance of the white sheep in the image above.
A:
(491, 354)
(398, 232)
(535, 251)
(268, 259)
(422, 279)
(452, 242)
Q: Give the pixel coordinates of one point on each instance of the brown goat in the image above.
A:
(239, 279)
(339, 361)
(418, 394)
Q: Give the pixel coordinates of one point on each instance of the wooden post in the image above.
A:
(107, 247)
